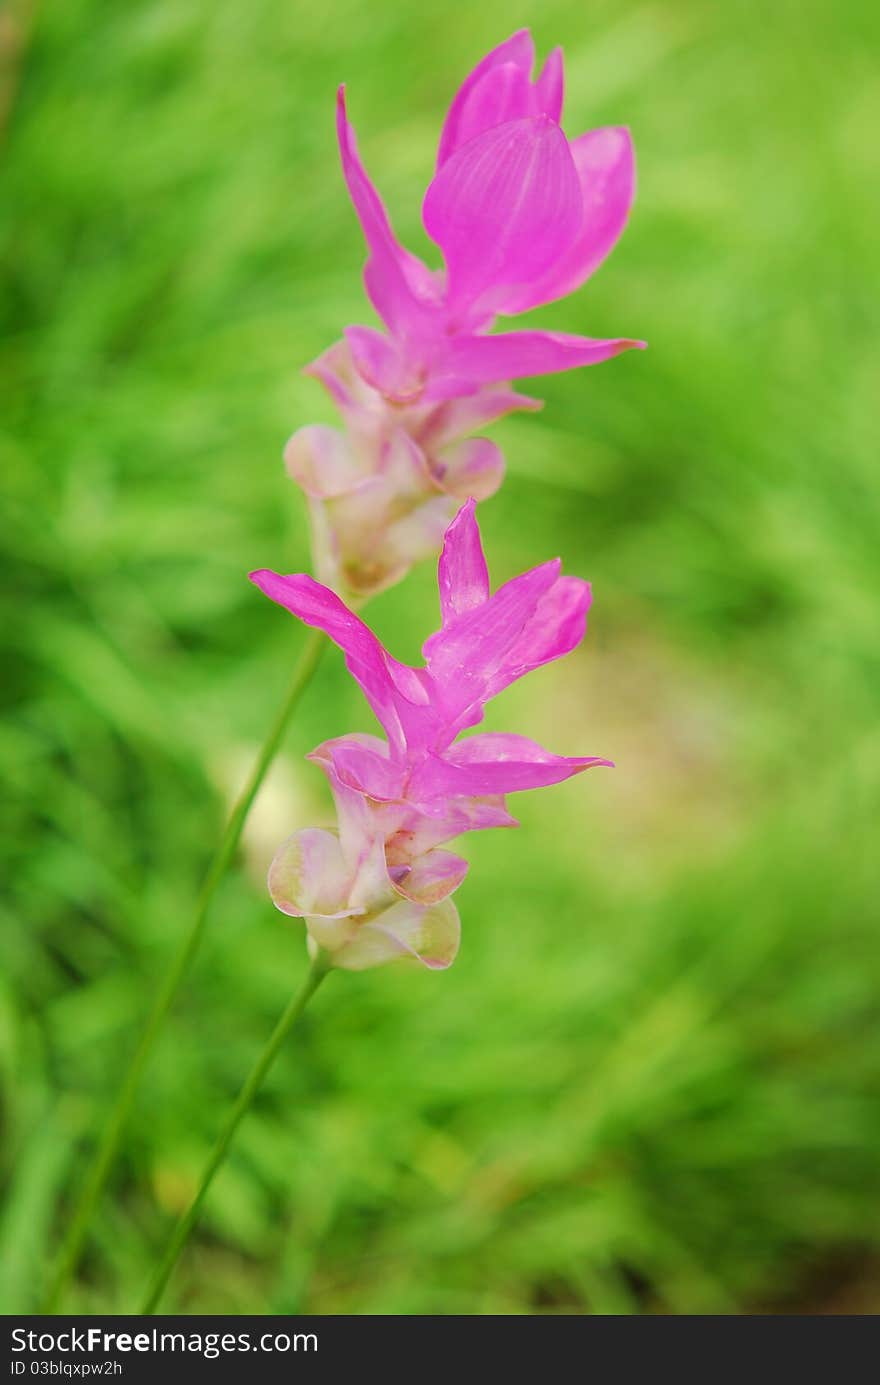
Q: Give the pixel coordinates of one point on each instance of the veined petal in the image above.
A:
(469, 661)
(502, 93)
(370, 881)
(473, 468)
(518, 52)
(404, 467)
(381, 363)
(364, 827)
(367, 661)
(492, 763)
(396, 280)
(330, 934)
(322, 462)
(462, 574)
(531, 620)
(557, 626)
(360, 404)
(361, 762)
(432, 821)
(549, 87)
(471, 361)
(474, 642)
(503, 209)
(454, 418)
(387, 521)
(309, 875)
(348, 541)
(429, 878)
(418, 535)
(499, 89)
(430, 935)
(605, 163)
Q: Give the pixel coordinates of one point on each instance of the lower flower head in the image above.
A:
(382, 877)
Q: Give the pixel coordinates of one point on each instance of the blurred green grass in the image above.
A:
(650, 1081)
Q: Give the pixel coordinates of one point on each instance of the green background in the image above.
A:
(650, 1081)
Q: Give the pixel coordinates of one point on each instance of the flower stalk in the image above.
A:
(183, 1230)
(108, 1146)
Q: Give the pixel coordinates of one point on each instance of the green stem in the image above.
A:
(183, 1230)
(108, 1147)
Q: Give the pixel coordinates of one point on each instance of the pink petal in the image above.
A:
(462, 575)
(404, 468)
(362, 763)
(499, 89)
(605, 164)
(396, 280)
(394, 515)
(471, 361)
(557, 626)
(366, 852)
(360, 404)
(530, 621)
(503, 93)
(418, 535)
(454, 418)
(431, 821)
(322, 462)
(518, 51)
(380, 362)
(430, 877)
(363, 829)
(469, 659)
(365, 658)
(503, 209)
(549, 88)
(495, 764)
(309, 876)
(477, 642)
(429, 935)
(474, 468)
(348, 541)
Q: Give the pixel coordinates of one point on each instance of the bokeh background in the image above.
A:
(650, 1081)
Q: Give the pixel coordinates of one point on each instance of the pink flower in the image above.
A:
(399, 800)
(382, 493)
(358, 905)
(522, 216)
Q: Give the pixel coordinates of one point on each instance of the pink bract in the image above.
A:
(522, 216)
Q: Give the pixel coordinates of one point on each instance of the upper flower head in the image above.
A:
(522, 216)
(382, 493)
